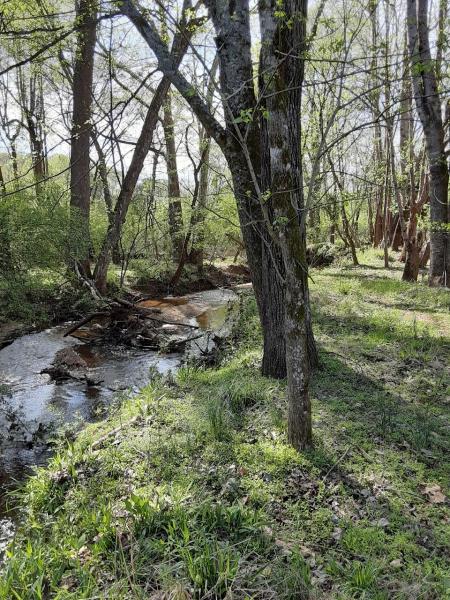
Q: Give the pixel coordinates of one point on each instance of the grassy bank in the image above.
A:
(190, 490)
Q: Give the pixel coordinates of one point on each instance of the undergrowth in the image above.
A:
(196, 493)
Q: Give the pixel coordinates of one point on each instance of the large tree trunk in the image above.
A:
(267, 270)
(243, 154)
(80, 187)
(282, 68)
(231, 21)
(429, 108)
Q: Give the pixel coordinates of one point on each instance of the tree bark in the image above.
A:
(429, 108)
(80, 186)
(282, 69)
(175, 211)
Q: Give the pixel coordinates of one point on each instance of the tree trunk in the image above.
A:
(175, 211)
(32, 107)
(80, 187)
(424, 255)
(410, 252)
(240, 143)
(142, 148)
(266, 269)
(282, 68)
(412, 255)
(370, 224)
(429, 108)
(2, 183)
(377, 142)
(196, 255)
(107, 196)
(14, 163)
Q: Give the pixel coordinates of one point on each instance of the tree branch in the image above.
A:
(166, 64)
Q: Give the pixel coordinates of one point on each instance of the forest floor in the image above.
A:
(190, 490)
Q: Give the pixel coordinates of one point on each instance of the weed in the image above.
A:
(362, 578)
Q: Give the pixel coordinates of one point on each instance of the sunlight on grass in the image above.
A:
(198, 495)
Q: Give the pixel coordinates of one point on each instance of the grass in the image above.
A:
(198, 495)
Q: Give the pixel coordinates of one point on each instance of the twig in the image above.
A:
(340, 459)
(113, 432)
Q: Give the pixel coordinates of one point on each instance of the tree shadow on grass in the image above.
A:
(355, 268)
(385, 285)
(371, 412)
(342, 484)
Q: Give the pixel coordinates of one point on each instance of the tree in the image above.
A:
(283, 43)
(175, 211)
(80, 183)
(240, 142)
(428, 102)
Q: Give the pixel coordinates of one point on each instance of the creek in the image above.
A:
(34, 407)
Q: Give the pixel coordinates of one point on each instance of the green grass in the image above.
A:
(198, 495)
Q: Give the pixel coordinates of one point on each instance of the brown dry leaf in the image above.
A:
(83, 554)
(305, 551)
(396, 564)
(434, 493)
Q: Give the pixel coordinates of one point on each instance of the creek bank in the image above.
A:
(51, 381)
(12, 330)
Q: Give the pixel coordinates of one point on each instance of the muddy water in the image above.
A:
(33, 406)
(206, 309)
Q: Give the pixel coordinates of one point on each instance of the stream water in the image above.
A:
(33, 406)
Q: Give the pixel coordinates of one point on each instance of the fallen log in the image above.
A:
(85, 320)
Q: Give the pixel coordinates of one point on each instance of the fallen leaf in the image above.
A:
(305, 551)
(396, 564)
(434, 493)
(285, 546)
